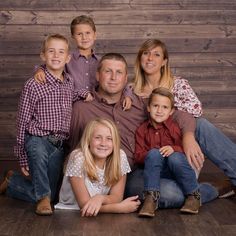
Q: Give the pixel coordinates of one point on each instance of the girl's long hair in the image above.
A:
(139, 74)
(113, 163)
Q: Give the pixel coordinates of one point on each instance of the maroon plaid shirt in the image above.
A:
(44, 109)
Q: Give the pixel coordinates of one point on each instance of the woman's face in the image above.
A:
(152, 60)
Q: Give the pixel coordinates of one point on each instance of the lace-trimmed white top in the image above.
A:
(75, 167)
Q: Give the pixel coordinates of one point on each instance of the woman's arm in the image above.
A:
(185, 98)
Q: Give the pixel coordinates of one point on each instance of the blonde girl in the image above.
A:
(96, 173)
(152, 70)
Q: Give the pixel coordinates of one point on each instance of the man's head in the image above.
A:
(112, 76)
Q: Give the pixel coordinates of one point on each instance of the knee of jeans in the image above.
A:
(176, 159)
(203, 123)
(153, 155)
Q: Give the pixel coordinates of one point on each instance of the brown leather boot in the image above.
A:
(192, 203)
(150, 204)
(43, 207)
(4, 183)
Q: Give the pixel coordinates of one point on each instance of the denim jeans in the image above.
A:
(171, 194)
(175, 167)
(45, 164)
(217, 147)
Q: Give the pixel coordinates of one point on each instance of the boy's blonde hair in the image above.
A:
(54, 36)
(113, 163)
(163, 92)
(139, 74)
(83, 19)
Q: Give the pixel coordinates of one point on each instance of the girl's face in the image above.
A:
(152, 60)
(101, 144)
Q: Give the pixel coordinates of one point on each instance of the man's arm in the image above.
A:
(187, 124)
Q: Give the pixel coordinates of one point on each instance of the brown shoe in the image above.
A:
(43, 207)
(192, 203)
(4, 183)
(224, 187)
(150, 204)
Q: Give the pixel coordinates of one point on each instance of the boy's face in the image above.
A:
(56, 54)
(84, 36)
(159, 109)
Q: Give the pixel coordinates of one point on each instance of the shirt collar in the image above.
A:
(165, 123)
(53, 79)
(78, 55)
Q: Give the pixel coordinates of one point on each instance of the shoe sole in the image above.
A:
(188, 211)
(43, 213)
(228, 194)
(146, 215)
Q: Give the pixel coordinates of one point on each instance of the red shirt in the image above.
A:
(148, 137)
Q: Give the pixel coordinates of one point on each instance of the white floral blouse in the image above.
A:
(185, 97)
(75, 167)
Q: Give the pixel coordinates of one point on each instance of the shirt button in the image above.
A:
(86, 74)
(86, 87)
(118, 122)
(86, 61)
(156, 132)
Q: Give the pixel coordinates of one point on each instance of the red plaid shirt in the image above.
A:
(44, 109)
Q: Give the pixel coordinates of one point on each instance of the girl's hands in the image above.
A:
(92, 207)
(166, 151)
(129, 204)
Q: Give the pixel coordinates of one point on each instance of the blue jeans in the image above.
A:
(175, 167)
(217, 147)
(45, 164)
(171, 195)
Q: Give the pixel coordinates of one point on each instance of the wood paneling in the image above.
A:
(200, 36)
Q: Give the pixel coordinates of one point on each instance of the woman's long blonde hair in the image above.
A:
(113, 163)
(139, 74)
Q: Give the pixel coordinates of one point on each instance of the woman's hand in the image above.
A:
(127, 103)
(40, 76)
(129, 204)
(92, 207)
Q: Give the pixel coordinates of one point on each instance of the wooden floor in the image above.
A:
(215, 218)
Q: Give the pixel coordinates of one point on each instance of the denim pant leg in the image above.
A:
(153, 164)
(182, 172)
(44, 173)
(217, 147)
(171, 194)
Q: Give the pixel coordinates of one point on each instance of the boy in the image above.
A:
(83, 64)
(158, 147)
(42, 126)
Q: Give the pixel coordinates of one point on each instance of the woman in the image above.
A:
(152, 70)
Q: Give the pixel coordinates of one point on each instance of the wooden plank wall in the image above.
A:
(201, 38)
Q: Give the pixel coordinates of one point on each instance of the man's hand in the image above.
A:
(25, 170)
(193, 151)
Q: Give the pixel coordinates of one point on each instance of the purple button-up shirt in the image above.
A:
(44, 109)
(83, 71)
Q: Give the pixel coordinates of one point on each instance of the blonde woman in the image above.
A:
(96, 173)
(152, 70)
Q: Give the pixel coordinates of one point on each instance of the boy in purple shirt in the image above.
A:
(43, 124)
(83, 64)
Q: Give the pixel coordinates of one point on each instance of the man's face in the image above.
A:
(112, 77)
